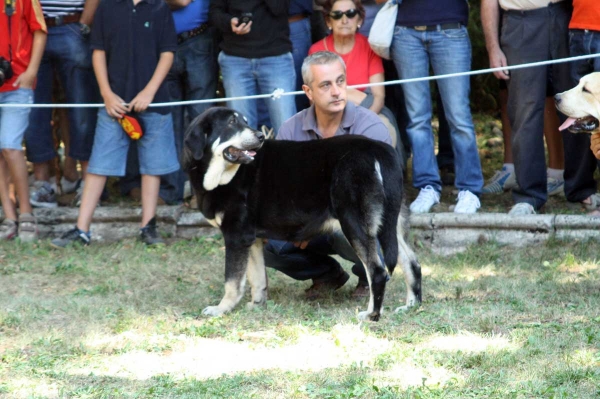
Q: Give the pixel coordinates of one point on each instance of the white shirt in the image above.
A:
(524, 5)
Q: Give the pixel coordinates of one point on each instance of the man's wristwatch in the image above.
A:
(84, 29)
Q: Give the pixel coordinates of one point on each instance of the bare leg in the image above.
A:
(150, 187)
(10, 211)
(92, 190)
(18, 170)
(41, 171)
(70, 169)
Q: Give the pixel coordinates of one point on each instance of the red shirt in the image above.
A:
(361, 61)
(26, 19)
(586, 15)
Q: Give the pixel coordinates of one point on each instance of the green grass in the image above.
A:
(122, 320)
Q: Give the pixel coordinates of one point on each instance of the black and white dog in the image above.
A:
(252, 188)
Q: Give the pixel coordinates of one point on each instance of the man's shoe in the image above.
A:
(555, 186)
(362, 290)
(8, 230)
(467, 202)
(594, 203)
(149, 234)
(28, 230)
(426, 199)
(325, 285)
(43, 196)
(522, 209)
(503, 180)
(73, 236)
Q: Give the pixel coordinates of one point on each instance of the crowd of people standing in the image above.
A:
(131, 53)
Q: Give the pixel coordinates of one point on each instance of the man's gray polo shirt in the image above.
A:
(356, 120)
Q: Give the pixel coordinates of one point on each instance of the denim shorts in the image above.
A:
(14, 121)
(156, 148)
(68, 56)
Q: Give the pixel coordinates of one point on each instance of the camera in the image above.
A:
(244, 18)
(6, 71)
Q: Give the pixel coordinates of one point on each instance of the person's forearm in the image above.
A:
(89, 9)
(37, 51)
(490, 19)
(378, 93)
(355, 96)
(101, 72)
(377, 105)
(160, 73)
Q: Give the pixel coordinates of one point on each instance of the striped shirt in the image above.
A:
(54, 8)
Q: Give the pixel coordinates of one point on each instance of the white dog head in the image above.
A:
(582, 105)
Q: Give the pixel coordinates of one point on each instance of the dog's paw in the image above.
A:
(368, 316)
(406, 308)
(213, 311)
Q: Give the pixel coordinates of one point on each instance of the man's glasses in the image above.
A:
(351, 13)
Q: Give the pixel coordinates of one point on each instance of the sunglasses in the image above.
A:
(351, 13)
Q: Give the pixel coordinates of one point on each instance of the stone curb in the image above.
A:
(443, 232)
(450, 232)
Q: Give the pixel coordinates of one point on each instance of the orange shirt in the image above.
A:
(586, 15)
(361, 61)
(26, 19)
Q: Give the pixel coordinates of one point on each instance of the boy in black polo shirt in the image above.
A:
(133, 43)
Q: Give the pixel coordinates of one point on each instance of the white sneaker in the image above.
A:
(187, 189)
(69, 186)
(502, 180)
(555, 186)
(467, 202)
(522, 209)
(426, 199)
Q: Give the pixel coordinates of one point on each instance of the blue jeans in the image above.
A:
(69, 54)
(188, 81)
(579, 180)
(314, 261)
(14, 121)
(156, 148)
(531, 36)
(251, 76)
(448, 51)
(301, 42)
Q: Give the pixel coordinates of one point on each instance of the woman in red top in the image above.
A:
(343, 18)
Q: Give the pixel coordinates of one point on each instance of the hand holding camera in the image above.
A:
(242, 25)
(6, 71)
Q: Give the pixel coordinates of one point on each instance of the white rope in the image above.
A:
(279, 92)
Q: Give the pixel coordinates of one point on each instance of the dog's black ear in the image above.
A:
(194, 140)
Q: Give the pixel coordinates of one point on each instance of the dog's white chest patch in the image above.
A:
(331, 226)
(219, 172)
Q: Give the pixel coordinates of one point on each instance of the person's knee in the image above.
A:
(276, 247)
(10, 154)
